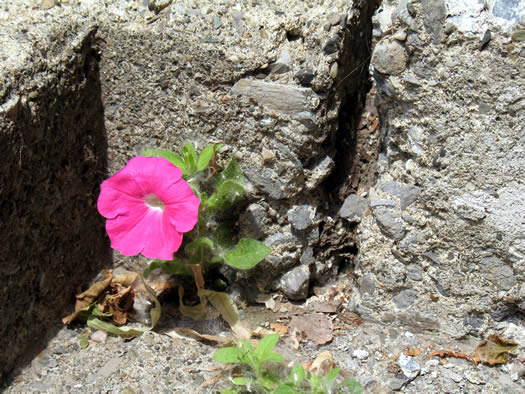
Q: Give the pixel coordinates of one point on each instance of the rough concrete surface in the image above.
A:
(83, 80)
(52, 159)
(444, 242)
(430, 166)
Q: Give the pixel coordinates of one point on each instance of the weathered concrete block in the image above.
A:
(268, 81)
(454, 161)
(52, 160)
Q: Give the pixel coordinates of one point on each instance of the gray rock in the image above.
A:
(294, 283)
(507, 9)
(418, 322)
(473, 321)
(435, 13)
(409, 194)
(409, 366)
(391, 187)
(396, 384)
(253, 222)
(267, 181)
(498, 272)
(237, 22)
(282, 64)
(414, 272)
(305, 76)
(382, 203)
(392, 226)
(405, 298)
(307, 257)
(353, 208)
(319, 173)
(469, 209)
(331, 45)
(367, 285)
(389, 57)
(278, 97)
(301, 217)
(307, 119)
(404, 14)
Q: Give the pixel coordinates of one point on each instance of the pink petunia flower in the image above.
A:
(148, 206)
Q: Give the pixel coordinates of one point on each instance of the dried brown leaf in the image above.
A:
(492, 351)
(125, 279)
(88, 297)
(279, 328)
(414, 351)
(188, 332)
(323, 363)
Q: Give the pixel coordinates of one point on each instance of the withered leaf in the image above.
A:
(188, 332)
(119, 304)
(413, 351)
(88, 297)
(125, 279)
(279, 328)
(494, 350)
(323, 363)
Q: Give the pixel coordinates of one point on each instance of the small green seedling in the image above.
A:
(261, 380)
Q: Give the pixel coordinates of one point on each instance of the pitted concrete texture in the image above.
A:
(452, 131)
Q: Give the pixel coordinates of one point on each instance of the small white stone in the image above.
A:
(361, 354)
(400, 36)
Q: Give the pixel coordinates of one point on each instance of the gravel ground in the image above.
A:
(382, 358)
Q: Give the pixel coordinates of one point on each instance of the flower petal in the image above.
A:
(134, 227)
(112, 202)
(182, 206)
(153, 174)
(149, 233)
(163, 239)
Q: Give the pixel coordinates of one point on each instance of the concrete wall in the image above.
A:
(52, 160)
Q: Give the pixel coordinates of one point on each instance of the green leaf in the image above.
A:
(247, 346)
(286, 388)
(230, 354)
(206, 155)
(223, 235)
(172, 157)
(273, 356)
(124, 332)
(332, 374)
(353, 386)
(242, 381)
(197, 312)
(223, 303)
(229, 192)
(172, 267)
(297, 374)
(233, 172)
(83, 339)
(266, 345)
(199, 250)
(190, 158)
(247, 254)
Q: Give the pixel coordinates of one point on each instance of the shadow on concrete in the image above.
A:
(53, 157)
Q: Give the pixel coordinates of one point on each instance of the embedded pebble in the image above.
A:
(360, 354)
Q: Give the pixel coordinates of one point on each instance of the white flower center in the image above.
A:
(153, 202)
